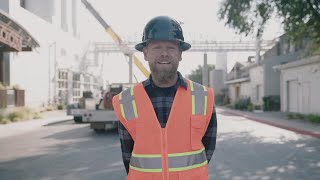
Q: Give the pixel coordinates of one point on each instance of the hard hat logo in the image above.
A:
(163, 28)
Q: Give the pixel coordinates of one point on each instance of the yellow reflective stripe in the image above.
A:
(186, 153)
(191, 85)
(120, 96)
(145, 170)
(204, 88)
(193, 105)
(188, 167)
(146, 155)
(205, 104)
(205, 101)
(134, 108)
(131, 91)
(122, 111)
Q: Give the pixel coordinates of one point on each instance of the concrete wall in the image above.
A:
(307, 85)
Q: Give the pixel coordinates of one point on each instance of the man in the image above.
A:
(168, 123)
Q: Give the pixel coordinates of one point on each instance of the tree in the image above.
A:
(196, 75)
(301, 18)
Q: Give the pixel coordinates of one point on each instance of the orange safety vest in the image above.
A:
(175, 152)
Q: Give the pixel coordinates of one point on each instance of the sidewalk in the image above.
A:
(49, 117)
(279, 120)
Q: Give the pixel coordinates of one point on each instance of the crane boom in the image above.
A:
(123, 47)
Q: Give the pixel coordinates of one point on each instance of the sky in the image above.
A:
(199, 22)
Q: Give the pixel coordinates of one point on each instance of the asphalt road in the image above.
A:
(245, 150)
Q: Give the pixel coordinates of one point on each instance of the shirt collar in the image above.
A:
(180, 82)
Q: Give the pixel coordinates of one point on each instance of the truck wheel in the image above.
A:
(77, 119)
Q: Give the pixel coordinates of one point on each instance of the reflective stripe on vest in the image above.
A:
(128, 104)
(177, 161)
(199, 98)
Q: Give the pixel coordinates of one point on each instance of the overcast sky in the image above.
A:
(200, 22)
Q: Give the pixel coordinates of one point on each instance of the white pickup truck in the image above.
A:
(99, 116)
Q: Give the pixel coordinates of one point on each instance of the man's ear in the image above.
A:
(145, 52)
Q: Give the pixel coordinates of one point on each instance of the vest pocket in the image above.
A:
(198, 124)
(140, 136)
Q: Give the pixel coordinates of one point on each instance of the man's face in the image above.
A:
(163, 58)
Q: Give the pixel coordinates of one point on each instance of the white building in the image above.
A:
(63, 41)
(300, 85)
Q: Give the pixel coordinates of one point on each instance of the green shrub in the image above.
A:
(289, 115)
(242, 104)
(271, 103)
(15, 116)
(36, 115)
(60, 107)
(2, 86)
(230, 106)
(1, 117)
(4, 121)
(313, 118)
(250, 107)
(50, 108)
(218, 99)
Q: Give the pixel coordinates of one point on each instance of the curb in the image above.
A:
(29, 125)
(57, 122)
(297, 130)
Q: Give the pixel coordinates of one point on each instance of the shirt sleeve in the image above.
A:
(209, 139)
(126, 145)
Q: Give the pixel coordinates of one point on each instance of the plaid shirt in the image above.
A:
(162, 99)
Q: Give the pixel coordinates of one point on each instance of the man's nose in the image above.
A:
(164, 52)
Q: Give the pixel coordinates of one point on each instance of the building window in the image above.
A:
(23, 3)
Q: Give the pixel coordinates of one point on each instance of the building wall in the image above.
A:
(43, 9)
(283, 52)
(256, 84)
(272, 77)
(304, 82)
(36, 71)
(4, 5)
(244, 91)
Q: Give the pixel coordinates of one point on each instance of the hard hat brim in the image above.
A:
(183, 46)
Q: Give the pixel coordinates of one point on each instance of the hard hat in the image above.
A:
(163, 28)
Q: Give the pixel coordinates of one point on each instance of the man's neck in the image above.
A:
(165, 83)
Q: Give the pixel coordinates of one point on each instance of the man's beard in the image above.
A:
(164, 75)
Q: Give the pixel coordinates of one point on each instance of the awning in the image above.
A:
(13, 37)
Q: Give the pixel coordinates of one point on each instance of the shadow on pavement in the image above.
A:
(242, 156)
(77, 153)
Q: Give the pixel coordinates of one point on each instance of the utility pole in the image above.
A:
(130, 68)
(205, 70)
